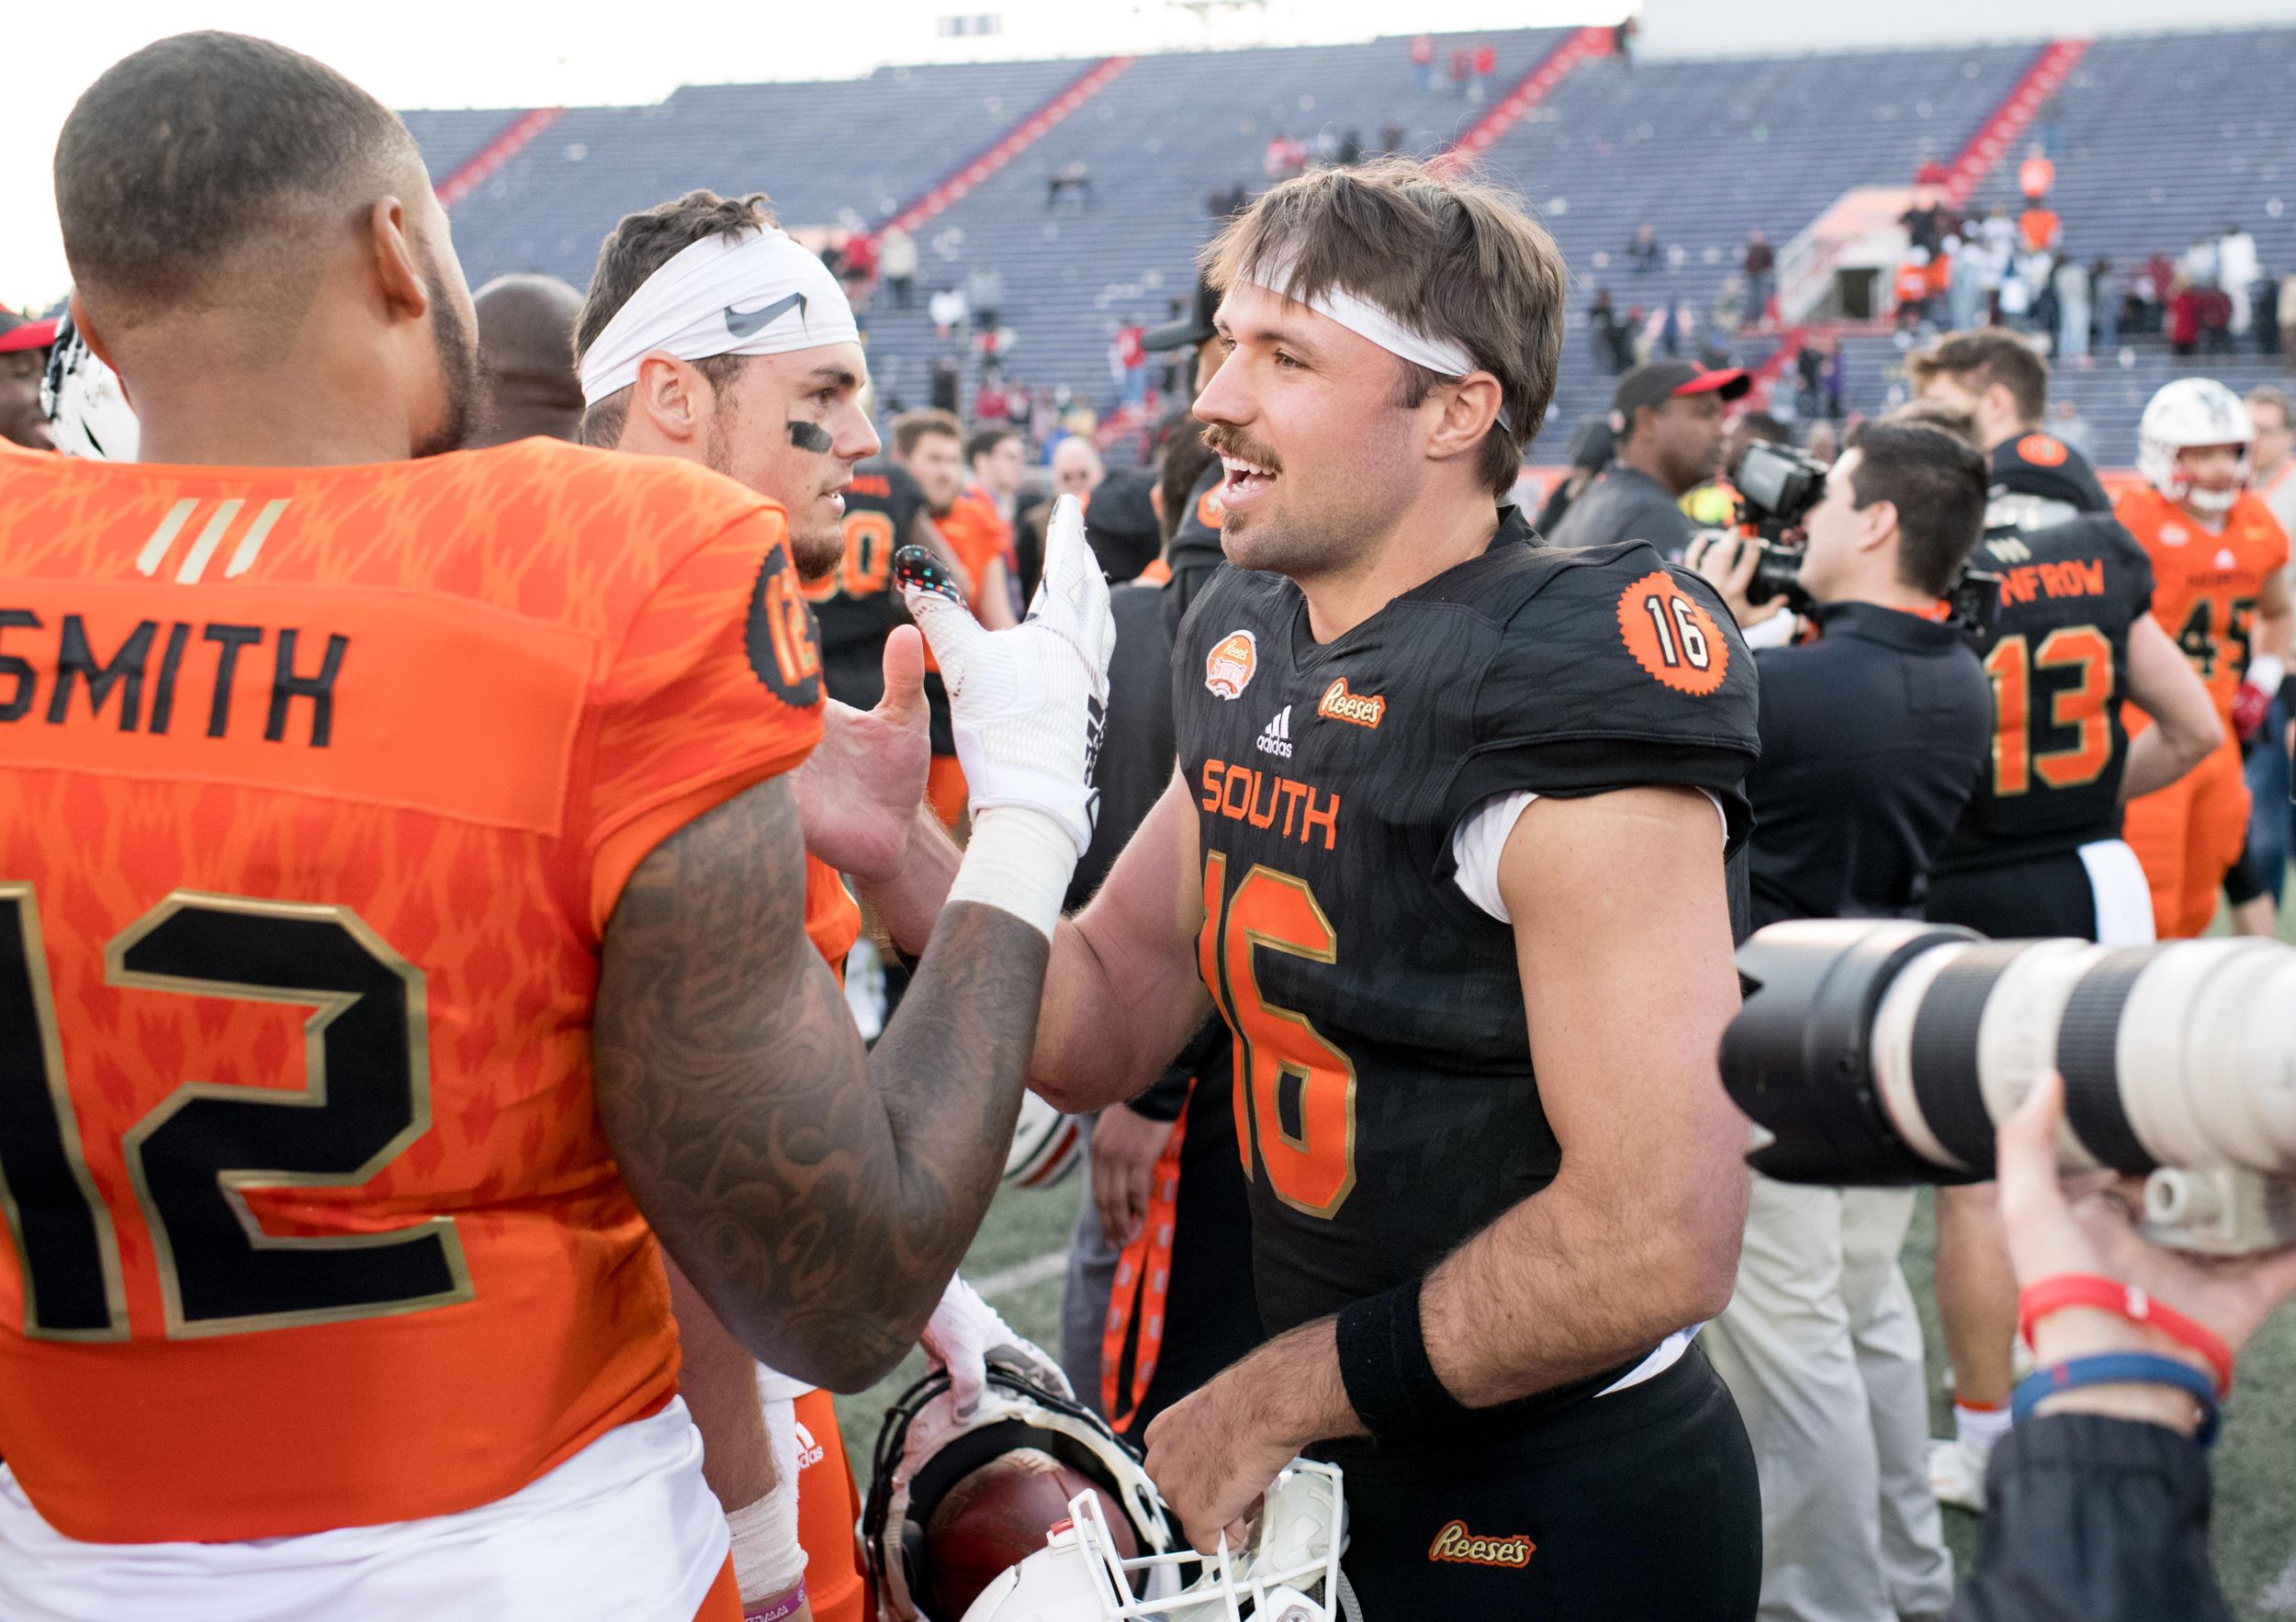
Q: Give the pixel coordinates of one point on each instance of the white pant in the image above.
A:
(1822, 1349)
(625, 1531)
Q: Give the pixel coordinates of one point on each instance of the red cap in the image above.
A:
(18, 333)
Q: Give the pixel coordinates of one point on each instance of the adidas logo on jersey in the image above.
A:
(1276, 737)
(809, 1452)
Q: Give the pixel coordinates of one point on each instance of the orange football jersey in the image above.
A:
(317, 788)
(2206, 582)
(979, 535)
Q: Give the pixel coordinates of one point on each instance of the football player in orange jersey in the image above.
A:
(2219, 590)
(790, 426)
(403, 927)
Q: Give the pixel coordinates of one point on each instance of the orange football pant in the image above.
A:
(944, 787)
(722, 1603)
(2188, 836)
(829, 1511)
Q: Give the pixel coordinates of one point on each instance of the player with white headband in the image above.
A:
(712, 336)
(1446, 803)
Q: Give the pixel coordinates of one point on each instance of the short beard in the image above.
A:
(816, 554)
(469, 409)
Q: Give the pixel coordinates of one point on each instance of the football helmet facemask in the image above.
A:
(2188, 412)
(87, 412)
(925, 1448)
(1288, 1573)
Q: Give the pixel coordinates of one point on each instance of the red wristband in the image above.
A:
(2044, 1296)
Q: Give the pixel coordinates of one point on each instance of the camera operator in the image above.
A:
(1872, 735)
(1667, 421)
(2099, 1499)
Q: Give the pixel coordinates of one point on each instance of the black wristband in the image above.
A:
(1383, 1363)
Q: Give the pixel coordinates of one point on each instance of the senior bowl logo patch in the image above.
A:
(1209, 511)
(1672, 638)
(1457, 1544)
(2041, 451)
(1228, 670)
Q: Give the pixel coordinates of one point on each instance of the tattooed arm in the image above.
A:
(818, 1194)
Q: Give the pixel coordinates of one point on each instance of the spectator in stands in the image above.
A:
(1666, 418)
(896, 261)
(1350, 147)
(2237, 269)
(948, 383)
(1486, 64)
(2288, 319)
(1603, 333)
(1462, 70)
(985, 294)
(2036, 175)
(2107, 296)
(1643, 250)
(2156, 288)
(526, 343)
(1965, 283)
(1911, 288)
(1017, 406)
(1423, 57)
(948, 311)
(990, 402)
(1070, 184)
(2215, 312)
(1921, 221)
(2039, 229)
(1728, 316)
(1621, 39)
(23, 345)
(2183, 318)
(1759, 263)
(1999, 235)
(1391, 135)
(2066, 423)
(2071, 285)
(2198, 263)
(1128, 362)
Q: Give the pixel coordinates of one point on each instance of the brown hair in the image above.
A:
(640, 245)
(911, 426)
(1937, 481)
(1455, 258)
(1931, 413)
(2264, 394)
(1980, 359)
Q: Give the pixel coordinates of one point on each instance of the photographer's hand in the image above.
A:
(2051, 1234)
(1727, 563)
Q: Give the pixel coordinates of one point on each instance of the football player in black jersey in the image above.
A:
(1446, 849)
(2039, 851)
(2003, 384)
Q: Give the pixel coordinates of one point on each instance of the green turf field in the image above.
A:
(2255, 1462)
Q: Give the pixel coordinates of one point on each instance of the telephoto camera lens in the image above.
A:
(1881, 1052)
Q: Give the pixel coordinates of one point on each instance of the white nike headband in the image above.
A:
(761, 294)
(1445, 356)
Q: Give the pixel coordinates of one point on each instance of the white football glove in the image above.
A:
(964, 1330)
(1028, 704)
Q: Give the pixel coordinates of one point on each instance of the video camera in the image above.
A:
(1777, 486)
(1882, 1053)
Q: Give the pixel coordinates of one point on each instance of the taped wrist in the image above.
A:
(1383, 1364)
(1019, 861)
(768, 1559)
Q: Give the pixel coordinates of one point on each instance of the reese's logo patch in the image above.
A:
(1672, 638)
(1363, 709)
(1455, 1544)
(1228, 669)
(2041, 450)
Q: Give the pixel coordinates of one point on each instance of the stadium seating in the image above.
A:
(1703, 149)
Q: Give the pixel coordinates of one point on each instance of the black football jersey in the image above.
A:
(1386, 1105)
(2058, 660)
(858, 606)
(2037, 479)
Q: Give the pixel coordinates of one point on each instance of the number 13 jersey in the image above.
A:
(1385, 1102)
(318, 788)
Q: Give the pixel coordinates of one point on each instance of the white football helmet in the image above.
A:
(87, 412)
(1046, 1145)
(2186, 413)
(1289, 1571)
(924, 1450)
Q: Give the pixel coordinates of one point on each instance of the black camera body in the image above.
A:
(1777, 486)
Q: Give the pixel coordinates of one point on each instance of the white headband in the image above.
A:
(761, 294)
(1443, 356)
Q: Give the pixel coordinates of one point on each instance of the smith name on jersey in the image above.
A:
(1385, 1102)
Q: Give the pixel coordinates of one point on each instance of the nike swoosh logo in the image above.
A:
(744, 324)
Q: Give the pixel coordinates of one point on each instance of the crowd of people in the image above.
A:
(718, 816)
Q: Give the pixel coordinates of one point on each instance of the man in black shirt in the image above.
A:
(2003, 384)
(1667, 420)
(1871, 738)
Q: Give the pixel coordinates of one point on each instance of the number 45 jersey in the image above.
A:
(2058, 661)
(1386, 1105)
(317, 788)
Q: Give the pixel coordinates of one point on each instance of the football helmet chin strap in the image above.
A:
(925, 1447)
(1288, 1572)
